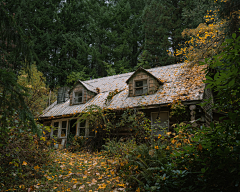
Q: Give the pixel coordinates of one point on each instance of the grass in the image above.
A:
(81, 171)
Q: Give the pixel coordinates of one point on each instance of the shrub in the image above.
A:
(22, 155)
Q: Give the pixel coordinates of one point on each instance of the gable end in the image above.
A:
(142, 83)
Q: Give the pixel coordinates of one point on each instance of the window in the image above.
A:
(60, 129)
(64, 129)
(160, 122)
(78, 97)
(141, 87)
(84, 130)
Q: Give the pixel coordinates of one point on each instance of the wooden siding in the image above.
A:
(87, 95)
(153, 84)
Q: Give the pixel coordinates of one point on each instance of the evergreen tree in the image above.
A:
(194, 12)
(229, 10)
(164, 22)
(15, 52)
(126, 26)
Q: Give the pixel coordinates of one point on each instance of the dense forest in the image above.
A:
(82, 39)
(46, 44)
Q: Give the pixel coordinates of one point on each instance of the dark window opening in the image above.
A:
(141, 87)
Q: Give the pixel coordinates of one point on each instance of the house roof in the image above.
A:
(86, 85)
(181, 82)
(142, 69)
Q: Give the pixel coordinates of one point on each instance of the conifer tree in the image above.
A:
(164, 22)
(230, 10)
(15, 52)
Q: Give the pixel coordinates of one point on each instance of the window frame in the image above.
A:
(87, 131)
(134, 86)
(153, 124)
(74, 97)
(60, 128)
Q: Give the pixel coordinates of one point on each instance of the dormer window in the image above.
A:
(81, 93)
(142, 82)
(141, 87)
(78, 97)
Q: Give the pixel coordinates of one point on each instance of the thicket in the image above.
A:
(22, 154)
(106, 125)
(193, 159)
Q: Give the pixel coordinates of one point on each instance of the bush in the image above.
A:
(22, 155)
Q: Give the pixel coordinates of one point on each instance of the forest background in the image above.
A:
(74, 40)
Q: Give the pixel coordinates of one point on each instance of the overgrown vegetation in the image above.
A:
(23, 154)
(188, 159)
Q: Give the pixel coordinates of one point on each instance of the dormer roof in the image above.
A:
(142, 69)
(86, 85)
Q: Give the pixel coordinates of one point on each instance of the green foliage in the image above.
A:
(229, 10)
(22, 154)
(16, 52)
(34, 83)
(225, 82)
(178, 110)
(76, 144)
(105, 124)
(120, 148)
(100, 38)
(74, 76)
(194, 12)
(196, 159)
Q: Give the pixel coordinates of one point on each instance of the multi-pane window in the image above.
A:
(141, 87)
(60, 129)
(64, 129)
(78, 97)
(159, 121)
(82, 128)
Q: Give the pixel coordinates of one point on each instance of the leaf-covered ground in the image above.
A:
(78, 172)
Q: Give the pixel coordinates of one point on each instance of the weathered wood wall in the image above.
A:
(153, 84)
(87, 94)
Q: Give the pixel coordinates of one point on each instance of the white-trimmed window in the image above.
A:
(81, 131)
(60, 128)
(63, 132)
(78, 97)
(84, 130)
(141, 87)
(160, 122)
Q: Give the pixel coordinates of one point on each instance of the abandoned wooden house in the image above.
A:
(151, 90)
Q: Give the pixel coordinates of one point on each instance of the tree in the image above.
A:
(34, 82)
(164, 22)
(194, 12)
(15, 51)
(204, 41)
(229, 10)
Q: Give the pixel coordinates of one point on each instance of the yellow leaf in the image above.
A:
(43, 138)
(36, 167)
(24, 163)
(138, 189)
